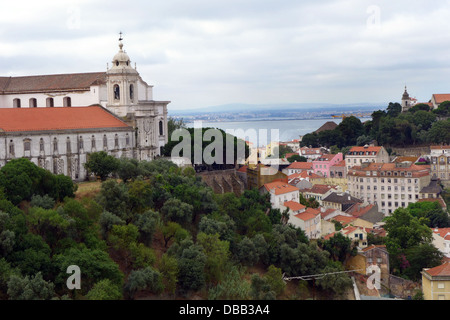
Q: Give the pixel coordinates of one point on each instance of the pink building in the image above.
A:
(323, 164)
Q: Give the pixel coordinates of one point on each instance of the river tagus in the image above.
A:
(267, 130)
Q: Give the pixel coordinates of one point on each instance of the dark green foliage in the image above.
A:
(143, 279)
(95, 265)
(30, 288)
(20, 179)
(101, 164)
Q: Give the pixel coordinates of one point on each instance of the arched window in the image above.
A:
(131, 92)
(33, 103)
(161, 131)
(116, 89)
(67, 102)
(27, 145)
(11, 148)
(80, 143)
(16, 103)
(50, 102)
(105, 142)
(127, 140)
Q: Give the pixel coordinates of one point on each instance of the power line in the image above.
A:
(316, 276)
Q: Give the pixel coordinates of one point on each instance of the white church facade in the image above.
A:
(58, 120)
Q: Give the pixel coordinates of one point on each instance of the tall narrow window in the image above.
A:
(67, 102)
(33, 103)
(16, 103)
(80, 143)
(105, 142)
(93, 143)
(131, 92)
(68, 146)
(27, 145)
(116, 141)
(161, 131)
(41, 145)
(50, 102)
(55, 145)
(116, 92)
(127, 140)
(11, 148)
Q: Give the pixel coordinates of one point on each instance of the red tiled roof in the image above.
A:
(441, 97)
(344, 220)
(442, 270)
(280, 187)
(442, 232)
(60, 118)
(51, 83)
(327, 212)
(294, 206)
(363, 149)
(308, 214)
(357, 210)
(300, 165)
(416, 170)
(339, 164)
(319, 188)
(439, 147)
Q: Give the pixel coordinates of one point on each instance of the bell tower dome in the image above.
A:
(122, 80)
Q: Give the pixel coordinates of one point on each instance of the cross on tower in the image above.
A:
(120, 36)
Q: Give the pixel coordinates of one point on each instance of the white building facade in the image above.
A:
(119, 92)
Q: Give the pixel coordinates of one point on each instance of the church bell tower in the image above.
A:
(122, 83)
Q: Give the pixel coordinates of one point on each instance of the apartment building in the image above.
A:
(389, 185)
(359, 155)
(440, 162)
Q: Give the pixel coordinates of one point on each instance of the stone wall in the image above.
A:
(403, 288)
(223, 181)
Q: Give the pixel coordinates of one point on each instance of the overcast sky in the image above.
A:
(201, 53)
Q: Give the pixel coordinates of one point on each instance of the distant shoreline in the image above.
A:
(271, 119)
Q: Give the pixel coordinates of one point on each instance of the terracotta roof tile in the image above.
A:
(60, 118)
(294, 206)
(442, 270)
(280, 187)
(308, 214)
(50, 83)
(300, 165)
(441, 97)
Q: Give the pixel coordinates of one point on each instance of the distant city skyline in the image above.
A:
(204, 53)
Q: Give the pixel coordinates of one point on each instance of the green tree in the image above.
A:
(104, 290)
(217, 256)
(114, 198)
(169, 270)
(439, 132)
(274, 278)
(191, 263)
(339, 246)
(260, 288)
(146, 223)
(297, 158)
(143, 279)
(95, 264)
(232, 287)
(30, 288)
(351, 128)
(101, 164)
(337, 283)
(45, 202)
(177, 211)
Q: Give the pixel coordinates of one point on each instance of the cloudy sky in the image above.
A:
(201, 53)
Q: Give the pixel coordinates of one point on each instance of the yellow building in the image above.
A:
(436, 282)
